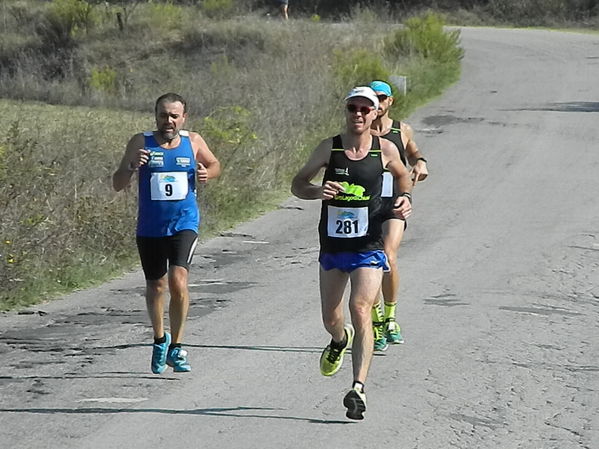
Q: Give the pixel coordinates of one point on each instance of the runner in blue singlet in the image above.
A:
(169, 161)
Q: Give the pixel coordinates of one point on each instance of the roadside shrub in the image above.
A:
(229, 129)
(358, 67)
(222, 69)
(104, 80)
(424, 36)
(427, 55)
(72, 15)
(165, 15)
(218, 9)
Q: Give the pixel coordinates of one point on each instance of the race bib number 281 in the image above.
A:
(347, 222)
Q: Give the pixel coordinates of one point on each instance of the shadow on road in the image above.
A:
(227, 411)
(108, 375)
(259, 348)
(572, 106)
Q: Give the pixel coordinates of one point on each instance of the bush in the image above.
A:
(424, 36)
(358, 68)
(72, 15)
(218, 9)
(104, 80)
(229, 129)
(165, 16)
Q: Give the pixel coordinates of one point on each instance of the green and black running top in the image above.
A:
(389, 194)
(352, 221)
(394, 135)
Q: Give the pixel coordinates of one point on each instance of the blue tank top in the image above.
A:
(167, 191)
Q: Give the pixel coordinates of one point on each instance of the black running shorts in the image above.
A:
(159, 253)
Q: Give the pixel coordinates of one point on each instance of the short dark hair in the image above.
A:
(171, 98)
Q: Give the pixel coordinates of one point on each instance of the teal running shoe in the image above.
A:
(159, 352)
(393, 332)
(177, 359)
(380, 340)
(355, 402)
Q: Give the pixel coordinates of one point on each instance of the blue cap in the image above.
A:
(381, 87)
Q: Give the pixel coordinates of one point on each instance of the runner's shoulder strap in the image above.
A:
(337, 143)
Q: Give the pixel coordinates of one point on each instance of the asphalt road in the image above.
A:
(499, 299)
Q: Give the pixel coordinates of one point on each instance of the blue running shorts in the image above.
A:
(348, 261)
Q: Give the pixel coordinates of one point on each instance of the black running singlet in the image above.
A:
(394, 135)
(352, 220)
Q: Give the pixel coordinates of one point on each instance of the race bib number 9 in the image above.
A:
(347, 222)
(168, 186)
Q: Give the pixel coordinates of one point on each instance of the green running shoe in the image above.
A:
(355, 402)
(380, 340)
(332, 358)
(393, 332)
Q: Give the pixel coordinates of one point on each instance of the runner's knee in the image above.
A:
(157, 287)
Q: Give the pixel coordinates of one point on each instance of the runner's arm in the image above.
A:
(135, 156)
(401, 177)
(302, 186)
(208, 164)
(415, 158)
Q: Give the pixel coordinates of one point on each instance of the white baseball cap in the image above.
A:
(364, 92)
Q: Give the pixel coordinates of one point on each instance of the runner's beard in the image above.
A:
(169, 135)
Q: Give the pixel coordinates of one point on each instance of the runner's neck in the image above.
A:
(381, 126)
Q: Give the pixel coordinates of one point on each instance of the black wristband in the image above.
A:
(421, 159)
(407, 195)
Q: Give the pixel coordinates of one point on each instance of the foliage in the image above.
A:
(72, 15)
(104, 80)
(424, 36)
(165, 15)
(358, 68)
(61, 227)
(218, 9)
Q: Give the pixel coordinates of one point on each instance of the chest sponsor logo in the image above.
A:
(342, 171)
(183, 161)
(352, 192)
(156, 159)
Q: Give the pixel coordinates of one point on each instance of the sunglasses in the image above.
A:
(363, 109)
(382, 97)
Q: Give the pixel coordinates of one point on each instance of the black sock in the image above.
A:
(159, 341)
(174, 345)
(341, 344)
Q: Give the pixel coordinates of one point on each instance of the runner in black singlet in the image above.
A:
(386, 328)
(350, 229)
